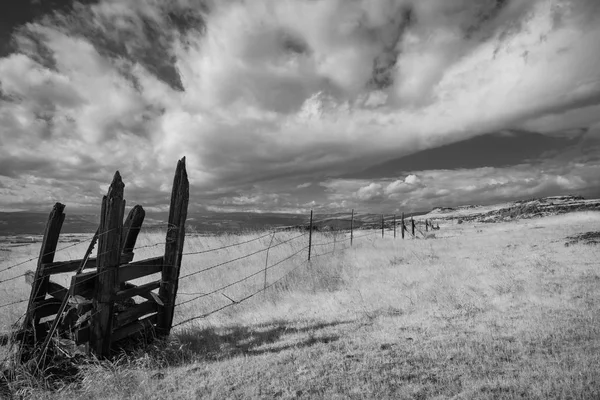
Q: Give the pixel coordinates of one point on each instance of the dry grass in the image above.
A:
(496, 311)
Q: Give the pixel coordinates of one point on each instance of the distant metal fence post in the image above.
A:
(403, 227)
(310, 229)
(394, 226)
(382, 226)
(180, 196)
(107, 279)
(267, 263)
(352, 228)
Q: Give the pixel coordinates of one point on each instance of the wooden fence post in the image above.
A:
(394, 226)
(382, 226)
(403, 227)
(426, 226)
(352, 228)
(107, 278)
(173, 248)
(40, 282)
(310, 229)
(412, 221)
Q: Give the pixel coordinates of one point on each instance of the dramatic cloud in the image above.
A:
(266, 97)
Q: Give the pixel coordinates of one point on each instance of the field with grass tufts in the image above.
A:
(475, 311)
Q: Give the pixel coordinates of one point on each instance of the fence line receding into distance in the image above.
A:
(97, 308)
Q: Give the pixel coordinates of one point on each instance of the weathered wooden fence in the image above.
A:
(98, 308)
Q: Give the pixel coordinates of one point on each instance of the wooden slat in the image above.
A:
(173, 248)
(57, 291)
(84, 284)
(140, 269)
(61, 267)
(47, 308)
(135, 312)
(131, 228)
(133, 290)
(40, 287)
(147, 323)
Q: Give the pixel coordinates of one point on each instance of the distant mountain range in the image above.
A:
(33, 223)
(514, 210)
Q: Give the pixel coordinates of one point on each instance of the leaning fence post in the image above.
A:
(352, 228)
(107, 279)
(40, 282)
(310, 229)
(173, 249)
(403, 227)
(394, 226)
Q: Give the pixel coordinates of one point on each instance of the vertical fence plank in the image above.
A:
(382, 226)
(310, 229)
(394, 226)
(426, 226)
(107, 279)
(352, 228)
(403, 227)
(131, 228)
(173, 248)
(39, 287)
(412, 221)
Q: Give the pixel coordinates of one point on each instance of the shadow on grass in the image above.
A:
(211, 344)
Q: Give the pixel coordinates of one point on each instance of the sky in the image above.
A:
(291, 105)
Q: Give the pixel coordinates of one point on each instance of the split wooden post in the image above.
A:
(40, 282)
(131, 228)
(107, 278)
(382, 226)
(173, 249)
(403, 227)
(394, 226)
(310, 229)
(412, 221)
(352, 228)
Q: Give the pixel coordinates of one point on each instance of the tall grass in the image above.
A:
(480, 311)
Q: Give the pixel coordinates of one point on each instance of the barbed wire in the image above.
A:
(238, 258)
(43, 255)
(242, 279)
(227, 246)
(242, 299)
(372, 231)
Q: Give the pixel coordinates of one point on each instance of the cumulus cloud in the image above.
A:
(279, 90)
(369, 192)
(477, 185)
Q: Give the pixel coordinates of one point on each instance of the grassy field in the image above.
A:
(485, 311)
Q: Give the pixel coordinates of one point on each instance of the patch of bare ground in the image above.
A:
(489, 311)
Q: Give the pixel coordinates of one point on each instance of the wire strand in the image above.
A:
(241, 280)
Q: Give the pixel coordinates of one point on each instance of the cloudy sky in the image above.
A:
(286, 105)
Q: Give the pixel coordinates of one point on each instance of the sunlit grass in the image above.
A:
(480, 311)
